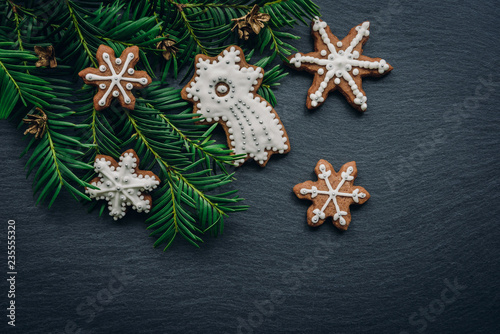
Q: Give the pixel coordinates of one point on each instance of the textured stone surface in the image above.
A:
(427, 150)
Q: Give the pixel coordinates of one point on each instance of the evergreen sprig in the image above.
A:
(57, 155)
(205, 26)
(17, 84)
(194, 169)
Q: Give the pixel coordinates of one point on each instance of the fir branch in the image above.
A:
(195, 137)
(79, 32)
(16, 84)
(186, 186)
(17, 21)
(205, 26)
(191, 31)
(161, 128)
(205, 148)
(99, 133)
(76, 25)
(56, 155)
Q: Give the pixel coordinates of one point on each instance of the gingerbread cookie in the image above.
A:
(332, 194)
(338, 64)
(115, 77)
(224, 90)
(122, 184)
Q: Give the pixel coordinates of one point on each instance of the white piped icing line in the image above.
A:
(116, 78)
(224, 90)
(332, 194)
(339, 64)
(122, 186)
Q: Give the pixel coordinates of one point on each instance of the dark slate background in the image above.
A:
(427, 150)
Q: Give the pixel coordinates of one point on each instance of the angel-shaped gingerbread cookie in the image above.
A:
(224, 90)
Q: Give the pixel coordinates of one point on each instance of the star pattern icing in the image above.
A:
(122, 184)
(339, 64)
(332, 194)
(115, 77)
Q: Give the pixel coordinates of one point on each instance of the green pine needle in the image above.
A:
(195, 170)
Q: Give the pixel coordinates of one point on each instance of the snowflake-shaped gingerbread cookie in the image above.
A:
(115, 77)
(122, 184)
(224, 90)
(332, 194)
(338, 64)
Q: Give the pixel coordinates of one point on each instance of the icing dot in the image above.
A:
(336, 81)
(222, 89)
(131, 55)
(355, 71)
(118, 61)
(102, 86)
(131, 71)
(339, 44)
(129, 86)
(321, 71)
(102, 68)
(323, 53)
(116, 93)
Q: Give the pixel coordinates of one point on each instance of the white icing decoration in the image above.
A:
(253, 126)
(339, 63)
(122, 187)
(332, 194)
(222, 89)
(116, 79)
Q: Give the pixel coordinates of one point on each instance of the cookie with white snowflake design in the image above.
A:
(224, 90)
(332, 194)
(115, 77)
(122, 184)
(338, 65)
